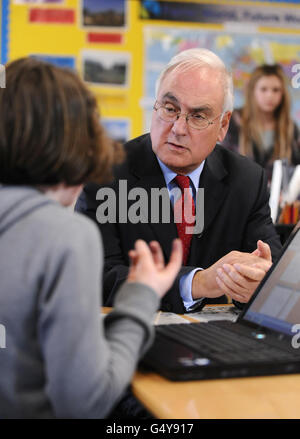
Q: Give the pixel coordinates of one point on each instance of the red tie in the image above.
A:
(184, 214)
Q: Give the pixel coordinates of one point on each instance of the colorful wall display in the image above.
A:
(119, 46)
(241, 52)
(221, 12)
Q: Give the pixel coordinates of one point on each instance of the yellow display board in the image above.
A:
(115, 56)
(70, 40)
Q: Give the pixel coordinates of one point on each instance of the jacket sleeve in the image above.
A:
(89, 360)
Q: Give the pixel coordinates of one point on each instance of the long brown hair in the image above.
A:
(250, 130)
(49, 128)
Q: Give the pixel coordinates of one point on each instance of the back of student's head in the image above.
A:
(49, 128)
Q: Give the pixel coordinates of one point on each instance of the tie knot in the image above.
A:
(183, 181)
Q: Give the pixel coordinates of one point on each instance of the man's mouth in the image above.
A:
(175, 145)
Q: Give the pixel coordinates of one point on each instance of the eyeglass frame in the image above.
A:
(187, 115)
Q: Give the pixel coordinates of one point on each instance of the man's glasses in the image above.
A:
(169, 113)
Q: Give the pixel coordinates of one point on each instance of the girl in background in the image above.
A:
(263, 129)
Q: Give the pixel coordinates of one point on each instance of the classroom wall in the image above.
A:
(141, 37)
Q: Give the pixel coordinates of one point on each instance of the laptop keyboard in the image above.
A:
(221, 344)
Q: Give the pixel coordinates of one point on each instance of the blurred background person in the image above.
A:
(264, 129)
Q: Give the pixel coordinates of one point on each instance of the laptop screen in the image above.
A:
(277, 305)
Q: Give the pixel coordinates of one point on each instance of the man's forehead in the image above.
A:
(193, 88)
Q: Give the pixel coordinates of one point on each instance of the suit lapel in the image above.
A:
(215, 189)
(212, 180)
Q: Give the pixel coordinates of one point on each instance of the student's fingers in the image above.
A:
(157, 254)
(175, 260)
(132, 255)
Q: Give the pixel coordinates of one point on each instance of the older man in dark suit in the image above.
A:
(232, 249)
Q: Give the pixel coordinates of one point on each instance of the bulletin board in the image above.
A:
(119, 46)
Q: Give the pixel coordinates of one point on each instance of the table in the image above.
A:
(272, 397)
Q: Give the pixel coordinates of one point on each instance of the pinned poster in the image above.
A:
(59, 61)
(55, 16)
(36, 2)
(106, 68)
(97, 14)
(118, 128)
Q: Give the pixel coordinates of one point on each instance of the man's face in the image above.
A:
(196, 91)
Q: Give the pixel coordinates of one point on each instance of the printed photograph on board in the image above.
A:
(105, 68)
(103, 13)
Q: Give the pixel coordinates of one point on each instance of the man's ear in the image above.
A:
(224, 126)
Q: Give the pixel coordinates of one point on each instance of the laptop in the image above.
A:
(265, 339)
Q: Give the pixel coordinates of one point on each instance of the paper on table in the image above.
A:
(211, 313)
(168, 318)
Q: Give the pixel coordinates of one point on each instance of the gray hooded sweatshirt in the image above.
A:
(58, 356)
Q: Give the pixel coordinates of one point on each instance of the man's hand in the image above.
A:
(239, 281)
(237, 275)
(148, 267)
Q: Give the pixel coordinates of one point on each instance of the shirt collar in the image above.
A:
(170, 175)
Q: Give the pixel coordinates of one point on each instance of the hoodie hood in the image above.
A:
(17, 202)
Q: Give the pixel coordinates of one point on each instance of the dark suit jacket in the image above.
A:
(236, 215)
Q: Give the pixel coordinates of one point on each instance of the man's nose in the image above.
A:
(180, 126)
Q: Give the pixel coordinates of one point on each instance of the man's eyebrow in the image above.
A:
(203, 108)
(171, 97)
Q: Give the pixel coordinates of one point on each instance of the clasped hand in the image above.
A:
(237, 274)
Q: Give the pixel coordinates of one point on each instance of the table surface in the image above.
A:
(272, 397)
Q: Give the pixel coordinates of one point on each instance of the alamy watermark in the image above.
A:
(296, 78)
(296, 337)
(2, 337)
(113, 210)
(2, 76)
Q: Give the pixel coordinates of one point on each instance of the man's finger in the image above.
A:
(263, 251)
(226, 290)
(251, 272)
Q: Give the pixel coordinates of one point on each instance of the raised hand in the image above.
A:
(147, 265)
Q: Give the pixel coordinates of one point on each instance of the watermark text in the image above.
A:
(139, 206)
(2, 76)
(2, 337)
(296, 337)
(296, 77)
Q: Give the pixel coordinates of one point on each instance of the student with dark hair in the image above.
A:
(61, 359)
(264, 129)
